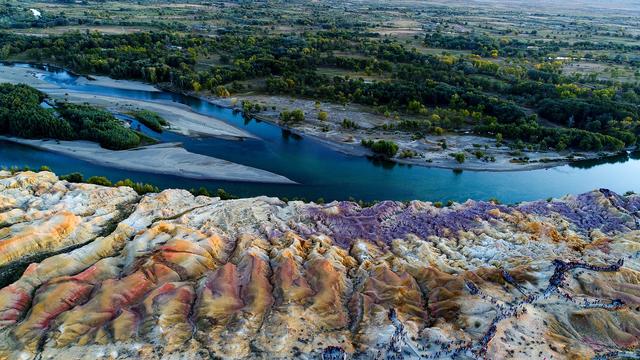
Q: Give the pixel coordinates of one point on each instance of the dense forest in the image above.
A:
(22, 114)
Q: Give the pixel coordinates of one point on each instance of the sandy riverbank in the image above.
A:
(105, 81)
(22, 75)
(180, 117)
(15, 74)
(428, 151)
(167, 158)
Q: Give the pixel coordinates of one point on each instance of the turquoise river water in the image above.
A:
(324, 173)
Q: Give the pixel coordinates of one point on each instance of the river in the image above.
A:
(325, 173)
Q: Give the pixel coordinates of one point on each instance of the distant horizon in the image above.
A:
(583, 6)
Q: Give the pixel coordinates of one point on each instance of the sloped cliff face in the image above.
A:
(91, 272)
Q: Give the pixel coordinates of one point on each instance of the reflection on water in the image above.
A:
(616, 159)
(323, 172)
(287, 134)
(382, 162)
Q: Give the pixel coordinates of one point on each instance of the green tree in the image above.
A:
(222, 91)
(385, 148)
(295, 116)
(99, 180)
(459, 157)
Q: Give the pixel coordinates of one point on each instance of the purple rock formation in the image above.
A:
(390, 220)
(587, 211)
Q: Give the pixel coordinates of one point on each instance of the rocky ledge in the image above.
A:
(90, 272)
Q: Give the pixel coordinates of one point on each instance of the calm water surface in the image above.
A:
(325, 173)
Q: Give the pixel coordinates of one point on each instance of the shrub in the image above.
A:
(407, 154)
(100, 180)
(222, 91)
(386, 148)
(459, 157)
(249, 107)
(294, 116)
(140, 188)
(348, 124)
(74, 177)
(150, 119)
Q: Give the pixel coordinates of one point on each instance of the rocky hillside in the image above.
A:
(90, 272)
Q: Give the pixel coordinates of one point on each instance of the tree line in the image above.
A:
(502, 93)
(22, 114)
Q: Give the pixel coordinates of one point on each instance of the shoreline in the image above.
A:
(200, 128)
(104, 81)
(358, 150)
(182, 119)
(175, 160)
(355, 149)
